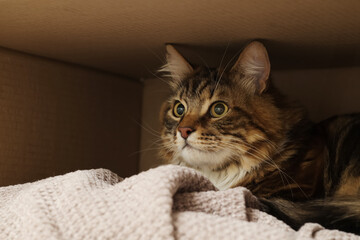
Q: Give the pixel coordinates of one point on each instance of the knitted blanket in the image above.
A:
(168, 202)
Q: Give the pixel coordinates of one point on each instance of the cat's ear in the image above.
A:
(252, 68)
(177, 67)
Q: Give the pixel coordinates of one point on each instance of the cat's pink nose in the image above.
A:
(185, 131)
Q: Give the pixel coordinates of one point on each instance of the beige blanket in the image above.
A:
(168, 202)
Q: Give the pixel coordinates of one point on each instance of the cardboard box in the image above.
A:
(77, 84)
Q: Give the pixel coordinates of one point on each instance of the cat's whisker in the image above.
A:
(150, 131)
(203, 60)
(222, 59)
(266, 140)
(229, 62)
(162, 59)
(144, 150)
(298, 186)
(284, 173)
(223, 56)
(150, 128)
(159, 142)
(161, 79)
(265, 158)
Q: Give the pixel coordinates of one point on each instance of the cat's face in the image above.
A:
(198, 121)
(216, 118)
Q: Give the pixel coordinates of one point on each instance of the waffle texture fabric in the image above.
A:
(168, 202)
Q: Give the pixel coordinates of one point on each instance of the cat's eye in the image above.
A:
(218, 109)
(179, 109)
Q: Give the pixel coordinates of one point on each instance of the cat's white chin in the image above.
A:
(198, 158)
(194, 155)
(206, 162)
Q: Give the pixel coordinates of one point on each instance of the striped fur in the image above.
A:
(264, 142)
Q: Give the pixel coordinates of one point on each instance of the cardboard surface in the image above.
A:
(128, 36)
(56, 118)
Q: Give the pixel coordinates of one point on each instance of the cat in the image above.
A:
(237, 129)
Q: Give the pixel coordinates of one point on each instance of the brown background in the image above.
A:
(56, 118)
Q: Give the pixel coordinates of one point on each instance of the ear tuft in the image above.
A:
(176, 67)
(253, 63)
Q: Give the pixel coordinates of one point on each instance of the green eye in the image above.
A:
(179, 109)
(218, 109)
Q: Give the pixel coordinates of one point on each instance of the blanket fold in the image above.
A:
(168, 202)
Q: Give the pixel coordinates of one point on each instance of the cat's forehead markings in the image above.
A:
(205, 107)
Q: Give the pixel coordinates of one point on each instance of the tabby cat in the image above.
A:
(234, 127)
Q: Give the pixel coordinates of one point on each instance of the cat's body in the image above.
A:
(238, 130)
